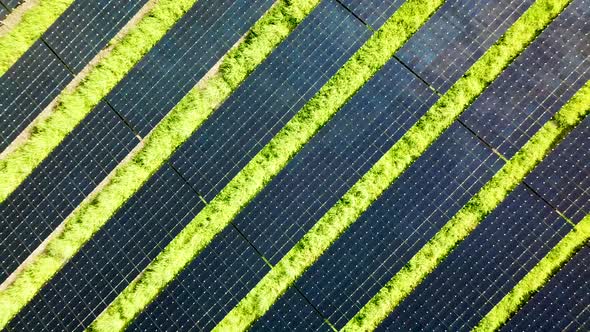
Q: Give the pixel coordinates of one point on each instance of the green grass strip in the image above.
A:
(73, 106)
(471, 215)
(391, 165)
(130, 175)
(33, 23)
(537, 278)
(266, 164)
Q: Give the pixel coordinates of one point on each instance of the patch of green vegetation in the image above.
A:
(538, 277)
(32, 25)
(129, 176)
(390, 166)
(73, 106)
(471, 215)
(265, 165)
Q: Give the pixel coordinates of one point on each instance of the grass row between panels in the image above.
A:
(402, 154)
(33, 23)
(74, 105)
(130, 175)
(266, 164)
(471, 215)
(537, 278)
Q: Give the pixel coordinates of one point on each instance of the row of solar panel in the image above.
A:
(273, 206)
(53, 60)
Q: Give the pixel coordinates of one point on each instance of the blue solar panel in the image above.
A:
(10, 4)
(398, 224)
(60, 183)
(113, 257)
(207, 289)
(182, 58)
(39, 75)
(269, 97)
(334, 160)
(291, 313)
(563, 178)
(27, 87)
(3, 12)
(483, 268)
(373, 12)
(86, 27)
(541, 80)
(456, 36)
(563, 304)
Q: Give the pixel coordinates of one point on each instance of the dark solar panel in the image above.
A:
(39, 75)
(10, 4)
(483, 268)
(398, 224)
(563, 304)
(182, 58)
(334, 160)
(563, 178)
(291, 313)
(269, 97)
(208, 288)
(113, 257)
(60, 183)
(456, 36)
(373, 12)
(3, 12)
(536, 85)
(27, 87)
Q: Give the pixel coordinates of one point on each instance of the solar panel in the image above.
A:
(394, 228)
(334, 160)
(60, 183)
(456, 36)
(269, 97)
(27, 87)
(536, 85)
(563, 304)
(44, 70)
(182, 58)
(563, 178)
(3, 12)
(483, 268)
(10, 4)
(113, 257)
(207, 289)
(372, 12)
(291, 313)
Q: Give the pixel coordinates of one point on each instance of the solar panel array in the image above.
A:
(477, 274)
(51, 63)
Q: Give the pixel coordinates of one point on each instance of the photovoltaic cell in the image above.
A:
(10, 4)
(60, 183)
(269, 97)
(563, 304)
(373, 12)
(540, 81)
(563, 178)
(39, 75)
(291, 313)
(482, 269)
(207, 289)
(182, 58)
(24, 93)
(456, 36)
(86, 27)
(341, 152)
(398, 224)
(113, 257)
(3, 12)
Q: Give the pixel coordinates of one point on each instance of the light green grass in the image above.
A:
(265, 165)
(469, 217)
(130, 175)
(73, 106)
(391, 166)
(31, 26)
(538, 277)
